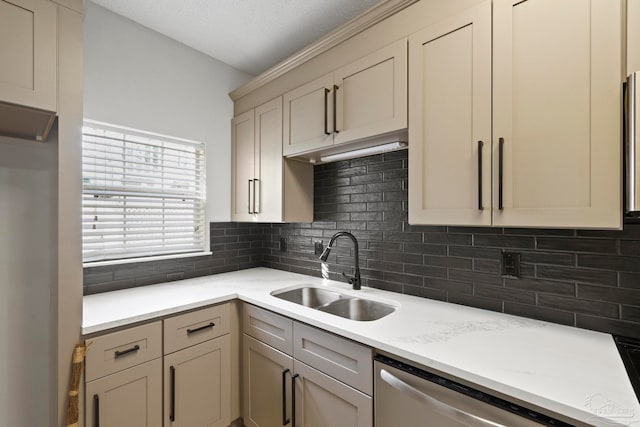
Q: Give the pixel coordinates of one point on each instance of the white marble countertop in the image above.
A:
(569, 371)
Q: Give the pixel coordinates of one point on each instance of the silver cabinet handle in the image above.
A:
(249, 192)
(444, 409)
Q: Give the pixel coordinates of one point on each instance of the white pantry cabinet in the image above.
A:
(364, 99)
(554, 135)
(265, 186)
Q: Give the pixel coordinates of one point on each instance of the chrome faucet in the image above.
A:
(355, 281)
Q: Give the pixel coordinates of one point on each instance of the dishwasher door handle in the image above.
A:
(446, 410)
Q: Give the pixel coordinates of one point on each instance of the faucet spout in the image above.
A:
(355, 281)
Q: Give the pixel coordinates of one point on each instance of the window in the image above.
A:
(142, 194)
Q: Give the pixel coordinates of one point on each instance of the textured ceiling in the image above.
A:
(251, 35)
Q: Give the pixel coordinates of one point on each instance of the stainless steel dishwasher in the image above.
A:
(409, 396)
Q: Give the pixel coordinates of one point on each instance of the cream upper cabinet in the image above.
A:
(450, 116)
(243, 164)
(536, 146)
(364, 99)
(266, 187)
(557, 88)
(28, 52)
(307, 114)
(371, 95)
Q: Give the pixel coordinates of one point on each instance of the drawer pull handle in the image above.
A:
(285, 420)
(133, 349)
(96, 410)
(201, 328)
(172, 395)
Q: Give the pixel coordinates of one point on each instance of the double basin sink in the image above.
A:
(336, 303)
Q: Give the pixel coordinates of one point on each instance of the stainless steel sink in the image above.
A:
(309, 297)
(336, 303)
(358, 309)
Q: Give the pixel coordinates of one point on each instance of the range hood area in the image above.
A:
(25, 123)
(392, 141)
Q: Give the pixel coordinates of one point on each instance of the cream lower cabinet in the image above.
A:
(265, 186)
(197, 368)
(303, 377)
(129, 383)
(321, 401)
(536, 145)
(197, 385)
(267, 384)
(124, 378)
(128, 398)
(364, 99)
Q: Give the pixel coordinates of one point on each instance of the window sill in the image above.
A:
(143, 259)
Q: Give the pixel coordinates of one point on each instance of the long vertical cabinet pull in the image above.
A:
(500, 172)
(480, 144)
(172, 395)
(285, 420)
(335, 107)
(249, 195)
(96, 410)
(293, 399)
(255, 191)
(326, 111)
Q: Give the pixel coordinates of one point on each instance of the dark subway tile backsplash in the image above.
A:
(584, 278)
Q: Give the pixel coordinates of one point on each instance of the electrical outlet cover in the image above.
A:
(511, 264)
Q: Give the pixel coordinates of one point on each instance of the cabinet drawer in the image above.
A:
(121, 350)
(268, 327)
(341, 358)
(193, 328)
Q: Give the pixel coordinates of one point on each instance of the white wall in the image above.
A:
(139, 78)
(28, 275)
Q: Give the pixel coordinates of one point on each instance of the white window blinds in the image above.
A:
(143, 194)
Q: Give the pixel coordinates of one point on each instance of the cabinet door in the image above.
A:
(322, 401)
(308, 116)
(372, 94)
(450, 115)
(129, 398)
(242, 157)
(197, 386)
(268, 168)
(557, 109)
(266, 384)
(28, 53)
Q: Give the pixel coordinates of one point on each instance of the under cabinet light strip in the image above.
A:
(363, 152)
